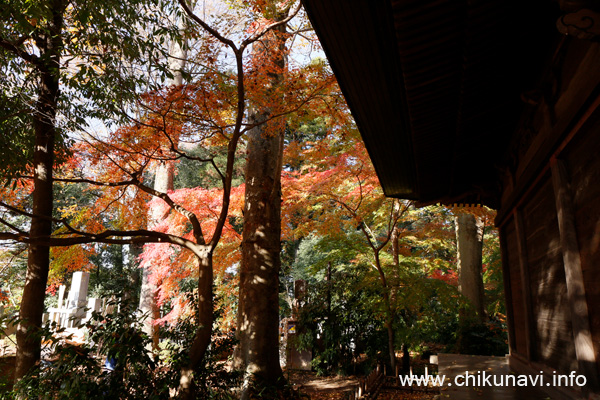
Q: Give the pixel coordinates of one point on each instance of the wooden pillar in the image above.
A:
(512, 344)
(525, 283)
(584, 347)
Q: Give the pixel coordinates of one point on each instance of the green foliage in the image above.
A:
(427, 307)
(78, 371)
(193, 174)
(316, 252)
(424, 297)
(489, 339)
(340, 318)
(106, 59)
(113, 275)
(492, 276)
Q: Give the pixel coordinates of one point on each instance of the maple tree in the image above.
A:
(339, 315)
(283, 117)
(334, 194)
(210, 112)
(349, 187)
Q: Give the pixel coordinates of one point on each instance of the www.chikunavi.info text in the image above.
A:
(482, 379)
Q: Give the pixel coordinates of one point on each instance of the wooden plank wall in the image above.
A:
(549, 222)
(553, 333)
(552, 343)
(582, 158)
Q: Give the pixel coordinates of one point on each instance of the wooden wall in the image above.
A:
(549, 222)
(552, 329)
(582, 158)
(541, 315)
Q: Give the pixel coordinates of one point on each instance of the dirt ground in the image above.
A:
(334, 388)
(318, 388)
(7, 372)
(311, 384)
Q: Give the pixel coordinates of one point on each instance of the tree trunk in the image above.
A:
(329, 285)
(392, 353)
(163, 182)
(405, 359)
(148, 308)
(469, 241)
(38, 261)
(205, 321)
(395, 239)
(258, 310)
(390, 314)
(135, 275)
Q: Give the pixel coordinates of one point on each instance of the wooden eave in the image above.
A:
(435, 86)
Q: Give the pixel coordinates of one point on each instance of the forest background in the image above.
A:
(164, 146)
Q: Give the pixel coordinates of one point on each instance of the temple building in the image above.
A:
(492, 102)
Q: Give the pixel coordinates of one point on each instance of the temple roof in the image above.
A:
(437, 87)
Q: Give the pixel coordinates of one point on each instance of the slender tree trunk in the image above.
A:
(205, 321)
(395, 239)
(389, 322)
(132, 295)
(38, 261)
(329, 285)
(469, 240)
(390, 315)
(163, 182)
(405, 359)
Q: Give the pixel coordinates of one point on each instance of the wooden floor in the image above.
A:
(453, 365)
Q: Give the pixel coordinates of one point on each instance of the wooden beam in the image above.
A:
(512, 344)
(584, 347)
(525, 283)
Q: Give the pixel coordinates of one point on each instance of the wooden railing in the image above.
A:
(369, 387)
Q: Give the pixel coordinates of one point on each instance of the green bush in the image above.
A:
(79, 371)
(488, 339)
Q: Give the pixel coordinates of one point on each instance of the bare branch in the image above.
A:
(207, 27)
(109, 237)
(92, 182)
(180, 209)
(14, 228)
(18, 51)
(231, 149)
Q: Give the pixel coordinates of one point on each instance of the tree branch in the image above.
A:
(19, 52)
(274, 25)
(207, 27)
(92, 182)
(197, 228)
(14, 228)
(108, 236)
